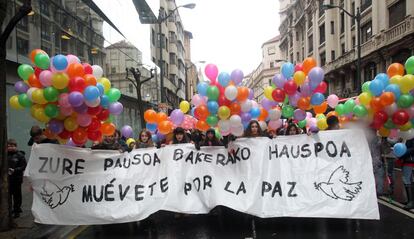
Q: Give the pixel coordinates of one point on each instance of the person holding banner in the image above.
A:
(179, 136)
(144, 140)
(292, 129)
(253, 130)
(211, 139)
(108, 143)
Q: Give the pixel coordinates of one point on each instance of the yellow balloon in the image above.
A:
(40, 115)
(384, 132)
(299, 77)
(34, 108)
(321, 123)
(406, 127)
(106, 83)
(320, 116)
(396, 79)
(14, 102)
(129, 141)
(70, 124)
(60, 80)
(407, 83)
(268, 92)
(365, 98)
(223, 112)
(38, 97)
(62, 141)
(184, 106)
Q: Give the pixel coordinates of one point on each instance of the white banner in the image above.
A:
(325, 175)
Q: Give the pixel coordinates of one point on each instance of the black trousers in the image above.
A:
(15, 191)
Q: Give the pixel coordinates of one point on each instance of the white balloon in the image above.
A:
(238, 130)
(246, 106)
(97, 71)
(235, 120)
(391, 109)
(30, 92)
(254, 104)
(230, 92)
(263, 125)
(94, 103)
(406, 135)
(224, 125)
(274, 114)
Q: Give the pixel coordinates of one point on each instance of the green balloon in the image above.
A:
(217, 133)
(349, 106)
(213, 93)
(302, 123)
(212, 120)
(389, 124)
(287, 111)
(365, 86)
(51, 94)
(286, 101)
(51, 110)
(42, 61)
(110, 119)
(360, 110)
(113, 95)
(409, 65)
(405, 101)
(340, 109)
(24, 101)
(24, 71)
(64, 90)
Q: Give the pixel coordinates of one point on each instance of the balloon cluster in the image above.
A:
(71, 98)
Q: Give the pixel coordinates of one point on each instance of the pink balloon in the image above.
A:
(66, 111)
(393, 133)
(64, 100)
(45, 78)
(410, 111)
(311, 122)
(275, 124)
(198, 100)
(211, 71)
(332, 100)
(308, 115)
(84, 120)
(298, 67)
(72, 59)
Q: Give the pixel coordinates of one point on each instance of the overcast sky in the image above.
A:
(228, 33)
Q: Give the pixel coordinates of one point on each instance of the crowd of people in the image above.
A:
(383, 159)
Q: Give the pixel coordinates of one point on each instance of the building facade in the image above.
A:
(171, 40)
(191, 74)
(331, 37)
(262, 76)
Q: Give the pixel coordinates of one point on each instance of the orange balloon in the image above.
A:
(242, 93)
(202, 125)
(107, 129)
(395, 69)
(320, 109)
(75, 69)
(34, 81)
(332, 113)
(89, 80)
(165, 127)
(263, 114)
(201, 112)
(308, 64)
(303, 103)
(49, 134)
(343, 119)
(376, 104)
(150, 116)
(387, 98)
(160, 117)
(34, 52)
(235, 108)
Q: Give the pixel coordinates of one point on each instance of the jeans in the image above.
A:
(15, 191)
(379, 174)
(407, 172)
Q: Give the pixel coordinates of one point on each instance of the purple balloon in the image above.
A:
(56, 126)
(21, 87)
(306, 90)
(279, 80)
(127, 131)
(116, 108)
(75, 99)
(245, 116)
(316, 75)
(82, 109)
(160, 136)
(251, 94)
(177, 116)
(299, 114)
(314, 129)
(237, 76)
(71, 143)
(293, 99)
(268, 104)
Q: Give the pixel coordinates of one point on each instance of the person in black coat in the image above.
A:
(37, 136)
(211, 139)
(17, 164)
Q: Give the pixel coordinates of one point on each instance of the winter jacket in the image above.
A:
(17, 161)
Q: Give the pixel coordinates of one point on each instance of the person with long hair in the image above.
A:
(253, 130)
(211, 139)
(144, 140)
(179, 136)
(292, 129)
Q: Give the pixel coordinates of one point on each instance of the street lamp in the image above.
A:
(357, 18)
(186, 67)
(160, 20)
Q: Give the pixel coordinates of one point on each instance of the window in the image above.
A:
(366, 32)
(10, 42)
(172, 58)
(291, 57)
(323, 58)
(365, 4)
(297, 56)
(171, 18)
(310, 43)
(152, 37)
(23, 24)
(332, 27)
(79, 48)
(173, 37)
(310, 20)
(353, 13)
(172, 79)
(321, 10)
(343, 48)
(113, 70)
(343, 83)
(322, 34)
(397, 13)
(271, 50)
(44, 7)
(355, 82)
(22, 46)
(332, 55)
(45, 29)
(297, 35)
(272, 64)
(353, 42)
(131, 87)
(370, 71)
(342, 22)
(80, 29)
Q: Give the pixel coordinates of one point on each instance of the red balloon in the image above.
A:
(298, 67)
(321, 88)
(290, 87)
(77, 84)
(278, 95)
(87, 68)
(65, 134)
(37, 71)
(376, 125)
(201, 112)
(94, 125)
(222, 100)
(95, 135)
(75, 69)
(103, 115)
(94, 110)
(400, 117)
(380, 117)
(79, 136)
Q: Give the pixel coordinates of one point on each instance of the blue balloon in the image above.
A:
(151, 127)
(255, 112)
(192, 111)
(317, 98)
(245, 124)
(395, 89)
(288, 69)
(224, 79)
(105, 101)
(60, 62)
(400, 149)
(100, 88)
(91, 93)
(376, 87)
(383, 78)
(154, 138)
(202, 88)
(212, 107)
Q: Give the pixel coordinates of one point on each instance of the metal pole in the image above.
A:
(358, 19)
(187, 85)
(161, 64)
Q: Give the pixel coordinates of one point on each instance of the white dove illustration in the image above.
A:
(58, 196)
(338, 186)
